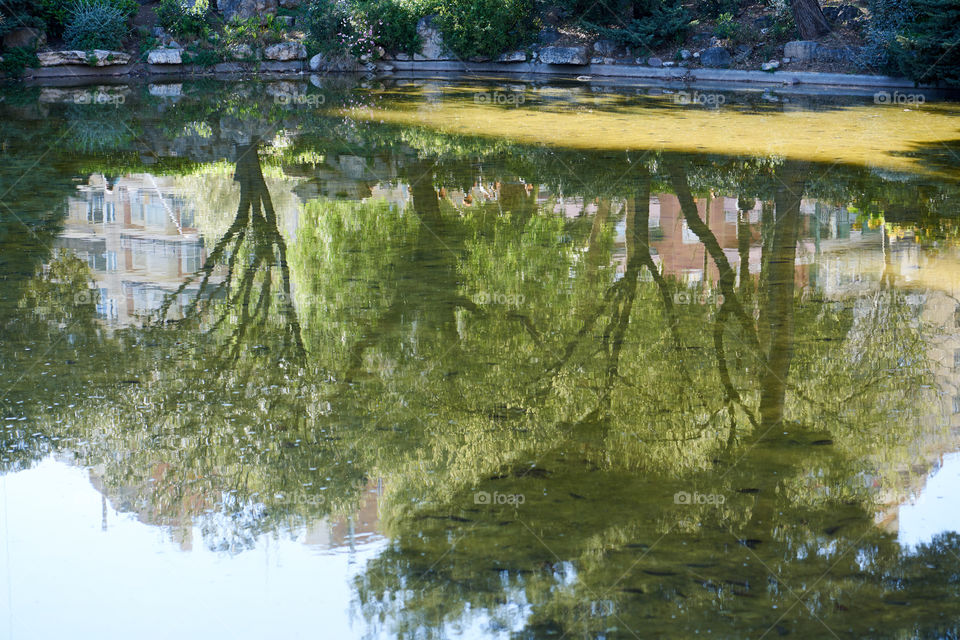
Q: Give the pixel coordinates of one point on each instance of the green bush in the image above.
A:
(928, 48)
(485, 27)
(56, 13)
(659, 23)
(783, 23)
(328, 25)
(394, 23)
(16, 60)
(716, 8)
(19, 13)
(184, 18)
(96, 24)
(736, 32)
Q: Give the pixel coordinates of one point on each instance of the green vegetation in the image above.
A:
(95, 24)
(185, 17)
(17, 60)
(928, 47)
(485, 27)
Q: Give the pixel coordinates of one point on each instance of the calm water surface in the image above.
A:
(477, 359)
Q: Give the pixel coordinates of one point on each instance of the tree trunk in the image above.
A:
(809, 18)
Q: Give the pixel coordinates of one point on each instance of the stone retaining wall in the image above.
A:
(411, 67)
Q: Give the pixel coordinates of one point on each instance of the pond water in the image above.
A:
(478, 359)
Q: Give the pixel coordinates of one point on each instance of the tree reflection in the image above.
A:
(451, 344)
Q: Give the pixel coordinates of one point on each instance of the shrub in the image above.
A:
(327, 22)
(659, 23)
(485, 27)
(16, 60)
(783, 23)
(394, 23)
(716, 8)
(185, 18)
(736, 32)
(96, 24)
(56, 13)
(337, 27)
(928, 48)
(18, 13)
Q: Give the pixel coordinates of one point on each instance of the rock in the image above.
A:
(158, 32)
(553, 15)
(800, 50)
(385, 66)
(696, 55)
(513, 56)
(669, 63)
(165, 56)
(702, 38)
(240, 51)
(433, 47)
(548, 36)
(403, 57)
(716, 57)
(24, 37)
(654, 62)
(97, 57)
(479, 59)
(763, 22)
(596, 60)
(336, 64)
(165, 90)
(287, 21)
(285, 51)
(841, 55)
(290, 4)
(842, 14)
(772, 65)
(246, 9)
(564, 55)
(785, 60)
(685, 54)
(606, 48)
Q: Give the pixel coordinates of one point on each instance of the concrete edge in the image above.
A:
(634, 72)
(663, 73)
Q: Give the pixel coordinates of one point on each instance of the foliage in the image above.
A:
(328, 24)
(658, 24)
(17, 60)
(485, 27)
(15, 14)
(928, 48)
(716, 8)
(888, 20)
(394, 23)
(204, 56)
(783, 22)
(56, 13)
(96, 24)
(185, 17)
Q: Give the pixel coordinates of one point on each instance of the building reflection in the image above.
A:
(140, 236)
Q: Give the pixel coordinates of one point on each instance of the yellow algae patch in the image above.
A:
(883, 136)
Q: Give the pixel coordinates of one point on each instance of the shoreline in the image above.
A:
(396, 68)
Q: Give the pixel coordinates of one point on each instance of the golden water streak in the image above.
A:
(868, 135)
